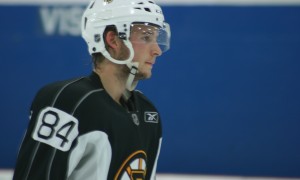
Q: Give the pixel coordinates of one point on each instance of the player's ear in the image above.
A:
(112, 40)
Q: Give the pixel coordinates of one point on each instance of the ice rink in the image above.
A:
(7, 175)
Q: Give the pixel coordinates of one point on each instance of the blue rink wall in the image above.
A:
(228, 90)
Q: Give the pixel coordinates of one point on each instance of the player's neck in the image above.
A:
(114, 82)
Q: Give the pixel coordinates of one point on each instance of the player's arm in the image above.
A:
(53, 149)
(47, 144)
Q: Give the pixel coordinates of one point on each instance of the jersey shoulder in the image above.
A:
(144, 100)
(81, 98)
(63, 94)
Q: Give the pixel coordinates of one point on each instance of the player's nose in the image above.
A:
(156, 50)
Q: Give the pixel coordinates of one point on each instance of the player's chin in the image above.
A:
(143, 75)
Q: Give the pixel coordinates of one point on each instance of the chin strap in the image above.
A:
(133, 68)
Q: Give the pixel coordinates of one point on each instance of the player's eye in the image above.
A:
(146, 38)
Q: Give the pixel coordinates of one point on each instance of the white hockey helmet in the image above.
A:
(122, 14)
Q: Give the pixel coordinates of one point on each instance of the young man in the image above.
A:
(99, 127)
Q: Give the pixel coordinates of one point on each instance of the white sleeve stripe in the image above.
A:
(32, 158)
(84, 97)
(153, 174)
(50, 163)
(59, 92)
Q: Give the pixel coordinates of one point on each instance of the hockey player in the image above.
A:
(98, 127)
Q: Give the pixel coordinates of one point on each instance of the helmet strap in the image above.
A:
(133, 68)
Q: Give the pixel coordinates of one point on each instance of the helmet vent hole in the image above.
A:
(85, 21)
(138, 8)
(141, 3)
(92, 5)
(151, 2)
(147, 9)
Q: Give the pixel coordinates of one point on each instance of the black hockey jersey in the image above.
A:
(78, 132)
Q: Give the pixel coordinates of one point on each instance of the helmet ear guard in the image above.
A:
(96, 42)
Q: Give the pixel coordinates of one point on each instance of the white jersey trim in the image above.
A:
(91, 157)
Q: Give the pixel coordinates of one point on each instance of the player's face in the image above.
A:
(146, 49)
